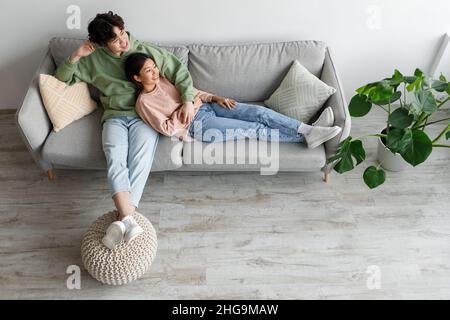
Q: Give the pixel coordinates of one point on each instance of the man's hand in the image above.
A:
(187, 112)
(85, 49)
(225, 102)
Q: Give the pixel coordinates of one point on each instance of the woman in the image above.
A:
(159, 105)
(128, 143)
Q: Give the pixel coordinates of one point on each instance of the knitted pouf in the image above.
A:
(127, 262)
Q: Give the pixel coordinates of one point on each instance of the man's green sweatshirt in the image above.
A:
(106, 72)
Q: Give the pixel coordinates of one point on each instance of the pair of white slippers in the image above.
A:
(322, 130)
(126, 230)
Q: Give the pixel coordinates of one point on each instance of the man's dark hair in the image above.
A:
(100, 29)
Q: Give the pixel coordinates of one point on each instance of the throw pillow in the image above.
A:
(300, 95)
(65, 104)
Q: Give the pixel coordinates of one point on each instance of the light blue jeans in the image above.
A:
(245, 120)
(129, 146)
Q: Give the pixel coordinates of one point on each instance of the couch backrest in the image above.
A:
(251, 72)
(61, 48)
(245, 72)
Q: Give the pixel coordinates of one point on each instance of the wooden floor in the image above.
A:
(235, 235)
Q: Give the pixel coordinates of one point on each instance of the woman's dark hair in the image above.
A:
(100, 29)
(133, 66)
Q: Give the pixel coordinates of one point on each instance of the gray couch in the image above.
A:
(245, 72)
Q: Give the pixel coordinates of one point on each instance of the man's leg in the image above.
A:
(142, 142)
(115, 147)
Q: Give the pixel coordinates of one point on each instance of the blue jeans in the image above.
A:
(246, 121)
(129, 146)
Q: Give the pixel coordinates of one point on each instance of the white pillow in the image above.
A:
(65, 104)
(300, 95)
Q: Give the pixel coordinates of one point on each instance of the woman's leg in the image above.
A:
(142, 143)
(216, 129)
(255, 113)
(115, 147)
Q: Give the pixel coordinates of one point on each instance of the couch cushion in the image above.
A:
(247, 155)
(300, 94)
(79, 145)
(250, 72)
(65, 104)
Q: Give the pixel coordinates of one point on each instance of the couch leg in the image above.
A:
(51, 174)
(326, 176)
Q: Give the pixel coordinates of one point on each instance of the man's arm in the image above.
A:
(73, 68)
(174, 70)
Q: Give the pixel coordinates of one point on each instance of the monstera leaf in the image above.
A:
(373, 177)
(349, 152)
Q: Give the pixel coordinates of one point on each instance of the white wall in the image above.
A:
(406, 35)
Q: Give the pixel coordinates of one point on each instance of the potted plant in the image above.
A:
(403, 140)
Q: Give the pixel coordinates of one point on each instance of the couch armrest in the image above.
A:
(31, 117)
(339, 104)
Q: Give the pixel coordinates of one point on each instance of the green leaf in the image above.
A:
(442, 78)
(447, 135)
(417, 83)
(396, 79)
(439, 86)
(373, 177)
(347, 150)
(424, 101)
(382, 92)
(410, 79)
(359, 106)
(365, 90)
(406, 140)
(393, 139)
(418, 73)
(400, 118)
(357, 151)
(395, 96)
(417, 148)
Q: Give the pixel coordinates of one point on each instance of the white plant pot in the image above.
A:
(389, 160)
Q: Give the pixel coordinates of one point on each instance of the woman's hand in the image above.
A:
(225, 102)
(187, 112)
(85, 49)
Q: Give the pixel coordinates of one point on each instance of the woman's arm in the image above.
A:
(166, 125)
(209, 97)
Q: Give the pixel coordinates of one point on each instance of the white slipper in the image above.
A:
(326, 118)
(114, 235)
(319, 135)
(133, 229)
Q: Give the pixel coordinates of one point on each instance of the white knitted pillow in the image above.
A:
(65, 104)
(300, 95)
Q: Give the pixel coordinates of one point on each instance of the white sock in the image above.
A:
(304, 128)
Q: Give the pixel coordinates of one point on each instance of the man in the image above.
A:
(128, 143)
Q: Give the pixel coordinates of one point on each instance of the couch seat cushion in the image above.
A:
(249, 155)
(79, 145)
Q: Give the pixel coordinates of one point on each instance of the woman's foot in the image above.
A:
(114, 235)
(326, 118)
(132, 228)
(319, 135)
